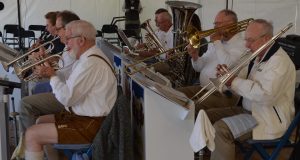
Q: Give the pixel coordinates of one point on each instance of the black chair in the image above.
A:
(27, 38)
(9, 35)
(99, 34)
(40, 28)
(110, 31)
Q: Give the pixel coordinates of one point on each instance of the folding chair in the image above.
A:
(278, 144)
(110, 31)
(38, 28)
(9, 35)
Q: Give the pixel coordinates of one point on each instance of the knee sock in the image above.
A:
(34, 155)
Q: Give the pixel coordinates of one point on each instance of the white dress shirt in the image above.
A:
(219, 53)
(91, 89)
(166, 39)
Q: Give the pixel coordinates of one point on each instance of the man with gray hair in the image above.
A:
(267, 88)
(88, 95)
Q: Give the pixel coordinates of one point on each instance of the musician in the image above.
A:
(88, 95)
(164, 33)
(267, 86)
(226, 48)
(157, 12)
(50, 34)
(46, 103)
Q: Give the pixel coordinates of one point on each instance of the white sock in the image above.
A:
(34, 155)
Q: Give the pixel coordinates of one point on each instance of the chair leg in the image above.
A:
(261, 151)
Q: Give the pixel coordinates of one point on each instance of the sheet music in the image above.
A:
(240, 124)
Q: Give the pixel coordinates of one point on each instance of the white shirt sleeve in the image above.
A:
(78, 85)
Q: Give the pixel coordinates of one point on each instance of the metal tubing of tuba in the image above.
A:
(218, 83)
(7, 65)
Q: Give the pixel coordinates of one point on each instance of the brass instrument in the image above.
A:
(25, 55)
(151, 38)
(218, 83)
(182, 14)
(194, 36)
(132, 68)
(23, 70)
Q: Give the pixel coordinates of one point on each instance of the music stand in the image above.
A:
(8, 88)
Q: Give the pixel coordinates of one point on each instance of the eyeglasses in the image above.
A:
(59, 28)
(71, 37)
(221, 22)
(252, 40)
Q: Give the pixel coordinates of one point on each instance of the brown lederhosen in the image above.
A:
(74, 129)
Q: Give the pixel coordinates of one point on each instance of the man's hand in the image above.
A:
(193, 52)
(37, 56)
(222, 69)
(45, 70)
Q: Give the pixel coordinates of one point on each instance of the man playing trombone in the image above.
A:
(227, 48)
(267, 88)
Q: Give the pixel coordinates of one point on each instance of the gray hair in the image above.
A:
(267, 26)
(83, 28)
(230, 14)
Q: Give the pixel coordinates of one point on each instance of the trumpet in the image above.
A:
(21, 72)
(194, 36)
(218, 83)
(7, 65)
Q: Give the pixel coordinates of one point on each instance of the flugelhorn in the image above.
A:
(194, 36)
(25, 55)
(218, 83)
(151, 38)
(22, 72)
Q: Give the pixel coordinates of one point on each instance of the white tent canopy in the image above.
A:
(100, 12)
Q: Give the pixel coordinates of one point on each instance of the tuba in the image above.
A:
(182, 13)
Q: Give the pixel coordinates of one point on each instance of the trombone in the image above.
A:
(7, 65)
(218, 83)
(193, 37)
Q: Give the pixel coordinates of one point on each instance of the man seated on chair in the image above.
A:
(88, 95)
(267, 88)
(227, 48)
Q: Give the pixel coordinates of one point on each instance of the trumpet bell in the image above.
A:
(5, 66)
